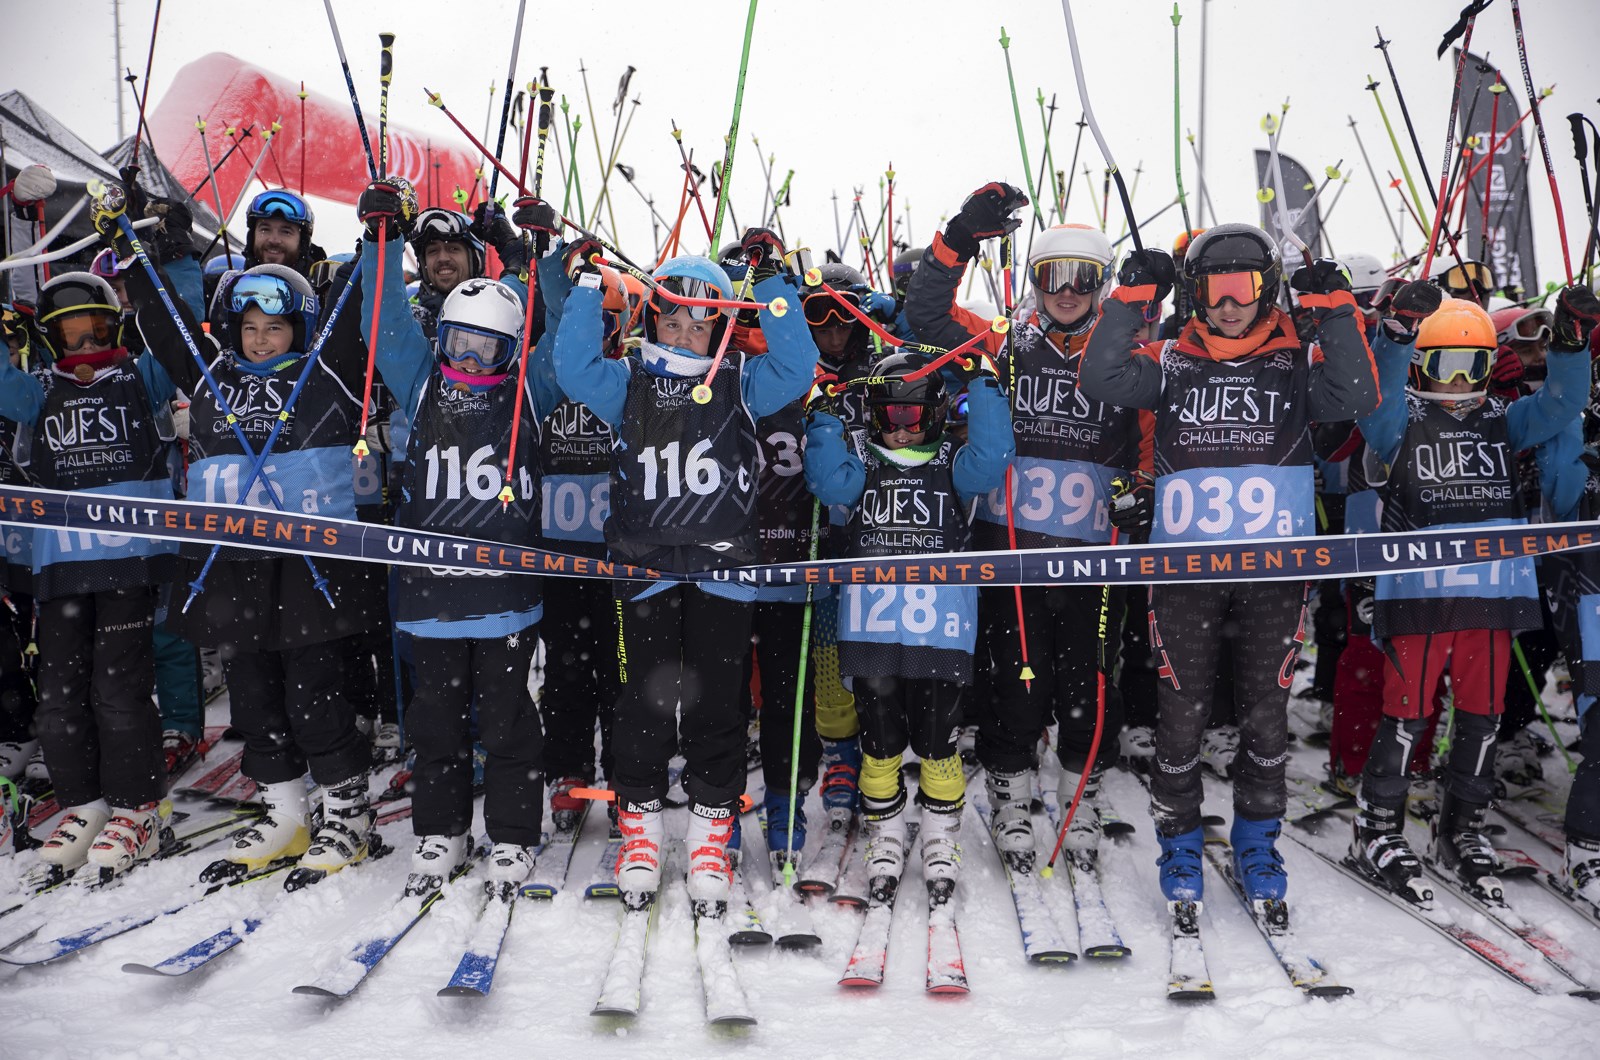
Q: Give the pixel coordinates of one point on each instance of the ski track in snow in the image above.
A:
(1415, 995)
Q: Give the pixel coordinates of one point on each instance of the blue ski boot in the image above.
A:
(1180, 860)
(841, 773)
(776, 805)
(1256, 862)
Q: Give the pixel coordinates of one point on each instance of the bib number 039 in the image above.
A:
(1213, 507)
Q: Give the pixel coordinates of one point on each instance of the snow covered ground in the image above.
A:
(1416, 995)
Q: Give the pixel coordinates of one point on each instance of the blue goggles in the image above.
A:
(271, 294)
(284, 204)
(460, 342)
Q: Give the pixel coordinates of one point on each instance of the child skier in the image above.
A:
(909, 648)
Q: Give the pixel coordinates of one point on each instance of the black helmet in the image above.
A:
(889, 389)
(437, 225)
(70, 294)
(840, 277)
(1232, 248)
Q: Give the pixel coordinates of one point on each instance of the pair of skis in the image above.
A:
(946, 969)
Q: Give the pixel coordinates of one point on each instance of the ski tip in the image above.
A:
(1333, 990)
(1587, 993)
(315, 991)
(461, 991)
(799, 942)
(1108, 951)
(614, 1012)
(739, 1020)
(950, 990)
(1062, 957)
(749, 938)
(1187, 994)
(860, 982)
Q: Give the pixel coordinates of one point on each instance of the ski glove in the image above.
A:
(881, 307)
(1152, 268)
(536, 215)
(575, 259)
(1323, 276)
(34, 183)
(174, 236)
(1410, 305)
(1507, 373)
(490, 225)
(393, 200)
(1132, 508)
(1577, 312)
(988, 213)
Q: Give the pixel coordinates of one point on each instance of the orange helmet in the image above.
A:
(1457, 324)
(1181, 244)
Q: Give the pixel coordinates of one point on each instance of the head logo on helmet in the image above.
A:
(480, 327)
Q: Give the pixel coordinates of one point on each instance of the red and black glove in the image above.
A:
(1507, 374)
(1411, 304)
(575, 260)
(764, 245)
(393, 200)
(1151, 268)
(1577, 313)
(988, 213)
(536, 215)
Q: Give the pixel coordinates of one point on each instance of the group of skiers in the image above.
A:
(711, 414)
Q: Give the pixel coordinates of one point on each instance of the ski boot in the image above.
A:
(279, 835)
(1380, 851)
(1257, 865)
(783, 844)
(1180, 866)
(1011, 817)
(1136, 747)
(67, 848)
(941, 843)
(1583, 870)
(510, 866)
(1083, 834)
(180, 751)
(132, 835)
(345, 837)
(1218, 748)
(386, 745)
(435, 860)
(884, 829)
(1462, 849)
(710, 868)
(14, 758)
(565, 811)
(1517, 761)
(639, 861)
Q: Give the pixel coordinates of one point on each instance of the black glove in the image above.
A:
(1150, 267)
(490, 225)
(1411, 304)
(1131, 508)
(1577, 312)
(393, 200)
(820, 398)
(1323, 276)
(575, 259)
(988, 213)
(174, 236)
(138, 201)
(536, 215)
(767, 249)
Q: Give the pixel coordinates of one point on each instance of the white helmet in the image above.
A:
(1069, 246)
(1366, 272)
(481, 320)
(1070, 241)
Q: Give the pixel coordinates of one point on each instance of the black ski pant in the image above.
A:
(1583, 801)
(17, 671)
(1330, 622)
(452, 677)
(97, 720)
(680, 650)
(1136, 673)
(580, 675)
(1062, 625)
(776, 641)
(1468, 773)
(1540, 648)
(291, 709)
(1188, 627)
(922, 712)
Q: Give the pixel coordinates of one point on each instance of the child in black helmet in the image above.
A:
(909, 648)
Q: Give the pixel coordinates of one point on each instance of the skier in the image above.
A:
(1234, 396)
(278, 231)
(680, 647)
(1068, 451)
(473, 637)
(909, 648)
(1450, 450)
(97, 725)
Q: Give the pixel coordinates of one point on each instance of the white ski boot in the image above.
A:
(510, 865)
(1583, 870)
(710, 868)
(68, 846)
(132, 835)
(1083, 833)
(1011, 817)
(639, 861)
(941, 842)
(280, 834)
(435, 860)
(346, 835)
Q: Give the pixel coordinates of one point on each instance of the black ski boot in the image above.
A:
(1380, 850)
(1462, 849)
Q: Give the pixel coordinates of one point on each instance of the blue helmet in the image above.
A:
(222, 263)
(695, 277)
(276, 290)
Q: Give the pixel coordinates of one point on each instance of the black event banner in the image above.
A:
(1297, 192)
(1508, 249)
(1278, 559)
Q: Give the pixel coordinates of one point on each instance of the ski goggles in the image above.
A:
(77, 330)
(823, 309)
(1079, 275)
(687, 288)
(1243, 288)
(1447, 364)
(889, 418)
(271, 294)
(1469, 277)
(461, 342)
(1535, 326)
(284, 204)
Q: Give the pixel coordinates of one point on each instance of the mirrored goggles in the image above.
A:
(823, 309)
(284, 204)
(1472, 277)
(76, 330)
(888, 418)
(271, 294)
(1535, 327)
(1448, 364)
(686, 288)
(1054, 275)
(1211, 289)
(460, 342)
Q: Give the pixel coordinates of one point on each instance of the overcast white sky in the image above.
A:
(838, 89)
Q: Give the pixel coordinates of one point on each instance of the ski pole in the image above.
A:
(1146, 222)
(838, 233)
(211, 175)
(1022, 139)
(1544, 712)
(780, 200)
(732, 140)
(702, 393)
(1205, 190)
(349, 83)
(505, 101)
(149, 61)
(1376, 187)
(1405, 114)
(1049, 161)
(1177, 112)
(1580, 150)
(1072, 168)
(385, 76)
(575, 181)
(66, 251)
(1394, 142)
(694, 185)
(1449, 146)
(194, 192)
(1274, 191)
(799, 700)
(1538, 124)
(766, 172)
(1094, 126)
(259, 460)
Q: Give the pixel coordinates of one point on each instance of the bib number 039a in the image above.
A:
(1213, 507)
(665, 468)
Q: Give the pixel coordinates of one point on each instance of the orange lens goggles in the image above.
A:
(1211, 289)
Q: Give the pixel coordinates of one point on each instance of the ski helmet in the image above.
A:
(1366, 273)
(75, 307)
(693, 277)
(1468, 279)
(906, 262)
(277, 291)
(438, 225)
(1523, 324)
(284, 205)
(481, 320)
(1232, 250)
(821, 307)
(1457, 340)
(1071, 256)
(895, 402)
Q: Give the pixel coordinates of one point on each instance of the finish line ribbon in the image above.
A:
(1275, 559)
